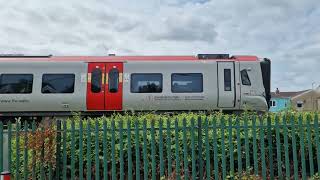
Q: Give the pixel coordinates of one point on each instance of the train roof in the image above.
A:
(111, 58)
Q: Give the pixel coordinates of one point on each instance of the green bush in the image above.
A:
(239, 125)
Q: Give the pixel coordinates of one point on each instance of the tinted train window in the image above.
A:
(113, 80)
(186, 82)
(96, 78)
(16, 83)
(227, 79)
(245, 78)
(146, 83)
(58, 83)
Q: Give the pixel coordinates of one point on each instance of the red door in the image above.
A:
(113, 86)
(104, 87)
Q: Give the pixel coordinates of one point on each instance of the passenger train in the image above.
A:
(40, 86)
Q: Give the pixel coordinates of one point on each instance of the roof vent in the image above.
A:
(213, 56)
(111, 54)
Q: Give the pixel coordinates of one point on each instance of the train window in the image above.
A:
(146, 83)
(227, 79)
(186, 83)
(16, 83)
(96, 79)
(57, 83)
(113, 80)
(245, 78)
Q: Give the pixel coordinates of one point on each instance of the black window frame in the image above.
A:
(186, 91)
(116, 85)
(299, 104)
(161, 82)
(244, 74)
(99, 88)
(225, 80)
(22, 74)
(273, 103)
(74, 82)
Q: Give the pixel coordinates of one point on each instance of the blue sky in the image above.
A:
(286, 31)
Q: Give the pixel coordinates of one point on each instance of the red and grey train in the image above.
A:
(39, 86)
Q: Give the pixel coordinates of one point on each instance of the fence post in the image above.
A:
(17, 174)
(105, 161)
(33, 152)
(294, 147)
(25, 153)
(231, 147)
(121, 150)
(278, 148)
(193, 150)
(270, 147)
(161, 148)
(207, 149)
(263, 156)
(144, 152)
(81, 157)
(96, 150)
(254, 146)
(310, 151)
(58, 149)
(200, 148)
(286, 145)
(137, 144)
(215, 149)
(185, 151)
(129, 149)
(153, 152)
(302, 153)
(72, 149)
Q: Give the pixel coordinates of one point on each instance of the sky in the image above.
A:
(285, 31)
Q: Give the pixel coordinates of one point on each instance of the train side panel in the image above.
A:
(167, 100)
(46, 102)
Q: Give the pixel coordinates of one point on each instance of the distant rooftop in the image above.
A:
(288, 94)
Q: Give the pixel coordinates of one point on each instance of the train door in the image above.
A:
(104, 87)
(226, 87)
(113, 86)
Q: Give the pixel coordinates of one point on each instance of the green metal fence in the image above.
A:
(205, 147)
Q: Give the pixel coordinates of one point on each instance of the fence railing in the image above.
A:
(202, 147)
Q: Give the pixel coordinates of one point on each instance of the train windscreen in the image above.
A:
(266, 76)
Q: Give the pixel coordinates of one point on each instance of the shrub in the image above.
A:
(241, 128)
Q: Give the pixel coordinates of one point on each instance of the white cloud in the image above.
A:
(286, 31)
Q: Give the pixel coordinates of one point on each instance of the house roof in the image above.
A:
(287, 94)
(312, 92)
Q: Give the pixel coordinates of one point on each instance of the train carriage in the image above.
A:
(39, 86)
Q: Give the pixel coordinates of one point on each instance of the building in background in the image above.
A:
(282, 100)
(307, 101)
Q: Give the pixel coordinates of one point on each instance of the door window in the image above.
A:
(227, 79)
(96, 78)
(113, 80)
